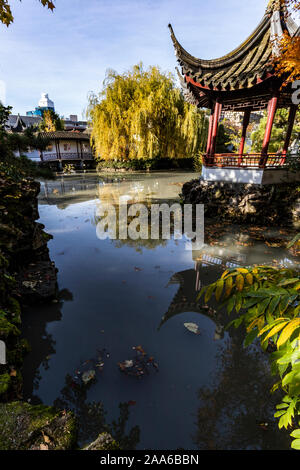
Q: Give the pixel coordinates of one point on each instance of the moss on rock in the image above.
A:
(5, 380)
(7, 328)
(27, 427)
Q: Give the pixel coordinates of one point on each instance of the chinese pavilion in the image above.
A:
(245, 81)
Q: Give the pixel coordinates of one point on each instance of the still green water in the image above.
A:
(198, 391)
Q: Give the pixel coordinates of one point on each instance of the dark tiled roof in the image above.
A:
(244, 67)
(17, 122)
(66, 135)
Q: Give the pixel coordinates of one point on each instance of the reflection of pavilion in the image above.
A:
(185, 299)
(218, 256)
(209, 262)
(190, 283)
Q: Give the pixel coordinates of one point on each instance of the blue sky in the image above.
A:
(66, 53)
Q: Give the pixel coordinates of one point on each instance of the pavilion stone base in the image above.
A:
(259, 204)
(250, 175)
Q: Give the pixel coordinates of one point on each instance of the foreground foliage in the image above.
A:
(17, 168)
(141, 114)
(267, 301)
(288, 62)
(6, 16)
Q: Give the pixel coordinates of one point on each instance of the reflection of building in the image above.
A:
(185, 299)
(191, 281)
(209, 263)
(212, 256)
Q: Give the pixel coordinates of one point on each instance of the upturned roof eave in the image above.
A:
(226, 60)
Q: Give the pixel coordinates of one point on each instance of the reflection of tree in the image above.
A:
(139, 244)
(41, 343)
(91, 416)
(237, 412)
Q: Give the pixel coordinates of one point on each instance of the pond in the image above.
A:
(124, 303)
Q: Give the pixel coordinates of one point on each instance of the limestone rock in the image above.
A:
(103, 442)
(277, 204)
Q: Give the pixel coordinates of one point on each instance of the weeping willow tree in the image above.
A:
(142, 115)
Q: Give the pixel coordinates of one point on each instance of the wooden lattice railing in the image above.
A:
(247, 160)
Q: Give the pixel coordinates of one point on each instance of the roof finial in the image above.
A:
(275, 5)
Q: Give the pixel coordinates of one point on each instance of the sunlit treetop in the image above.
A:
(141, 114)
(6, 16)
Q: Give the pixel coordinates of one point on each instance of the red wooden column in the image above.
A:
(209, 135)
(291, 120)
(211, 120)
(271, 115)
(217, 114)
(246, 121)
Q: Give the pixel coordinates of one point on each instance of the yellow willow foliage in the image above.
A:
(141, 114)
(288, 62)
(49, 123)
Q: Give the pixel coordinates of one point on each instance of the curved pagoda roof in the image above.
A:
(244, 74)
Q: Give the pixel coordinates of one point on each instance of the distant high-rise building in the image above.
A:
(44, 104)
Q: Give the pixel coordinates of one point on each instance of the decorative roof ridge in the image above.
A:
(228, 59)
(65, 134)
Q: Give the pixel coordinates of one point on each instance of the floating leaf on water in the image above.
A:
(88, 376)
(192, 327)
(139, 349)
(140, 365)
(30, 284)
(128, 363)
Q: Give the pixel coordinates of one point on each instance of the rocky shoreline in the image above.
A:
(27, 276)
(277, 204)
